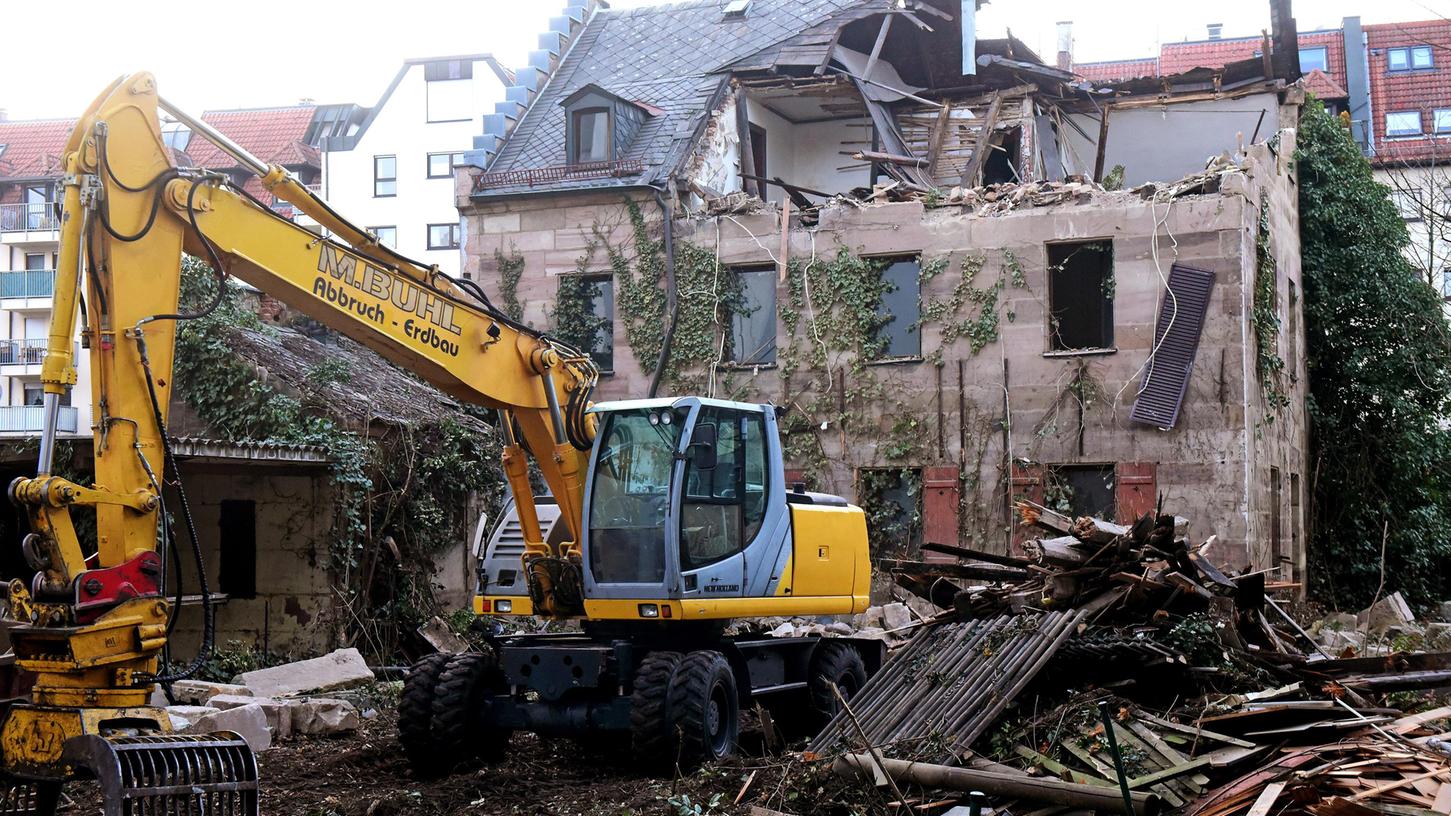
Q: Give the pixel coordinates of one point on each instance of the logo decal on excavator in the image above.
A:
(386, 287)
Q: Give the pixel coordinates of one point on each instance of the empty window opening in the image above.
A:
(753, 317)
(1001, 166)
(892, 501)
(900, 309)
(758, 151)
(237, 526)
(591, 130)
(584, 316)
(1277, 547)
(1081, 490)
(1080, 294)
(1295, 526)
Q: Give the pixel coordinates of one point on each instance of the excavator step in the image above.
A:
(164, 774)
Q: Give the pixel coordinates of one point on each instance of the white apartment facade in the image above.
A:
(393, 173)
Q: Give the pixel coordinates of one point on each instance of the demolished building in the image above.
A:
(967, 277)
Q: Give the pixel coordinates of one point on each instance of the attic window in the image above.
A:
(736, 8)
(590, 128)
(2, 149)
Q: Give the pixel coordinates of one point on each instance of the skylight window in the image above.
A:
(737, 8)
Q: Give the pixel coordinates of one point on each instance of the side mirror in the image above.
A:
(702, 446)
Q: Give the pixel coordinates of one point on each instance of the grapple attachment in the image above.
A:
(164, 775)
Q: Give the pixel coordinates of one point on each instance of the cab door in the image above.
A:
(722, 501)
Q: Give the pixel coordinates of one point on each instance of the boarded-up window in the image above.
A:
(753, 317)
(1176, 344)
(1080, 291)
(237, 525)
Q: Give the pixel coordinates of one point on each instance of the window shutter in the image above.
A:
(939, 509)
(1181, 323)
(1135, 490)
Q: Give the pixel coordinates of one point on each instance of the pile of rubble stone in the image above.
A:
(274, 703)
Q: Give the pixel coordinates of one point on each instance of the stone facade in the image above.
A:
(998, 423)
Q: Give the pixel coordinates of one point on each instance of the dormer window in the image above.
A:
(601, 125)
(590, 128)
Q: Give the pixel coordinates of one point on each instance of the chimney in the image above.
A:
(1216, 31)
(1065, 45)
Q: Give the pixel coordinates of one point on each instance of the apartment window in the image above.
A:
(591, 135)
(1314, 59)
(387, 236)
(443, 236)
(1080, 295)
(1441, 120)
(1403, 123)
(585, 316)
(1446, 282)
(385, 176)
(441, 165)
(900, 309)
(753, 317)
(1409, 58)
(237, 528)
(449, 89)
(1408, 203)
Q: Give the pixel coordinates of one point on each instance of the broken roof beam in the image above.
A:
(972, 176)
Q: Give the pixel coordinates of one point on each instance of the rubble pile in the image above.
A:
(1117, 668)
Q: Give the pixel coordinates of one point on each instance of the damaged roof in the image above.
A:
(669, 57)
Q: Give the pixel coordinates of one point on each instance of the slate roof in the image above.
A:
(667, 56)
(33, 147)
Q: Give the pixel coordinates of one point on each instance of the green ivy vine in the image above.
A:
(1265, 318)
(511, 271)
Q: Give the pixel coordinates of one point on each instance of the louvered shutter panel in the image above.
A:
(1181, 324)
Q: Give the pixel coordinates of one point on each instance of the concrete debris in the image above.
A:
(324, 717)
(182, 716)
(896, 616)
(1389, 611)
(438, 634)
(198, 692)
(248, 721)
(278, 712)
(341, 669)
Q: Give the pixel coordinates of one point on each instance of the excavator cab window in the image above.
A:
(631, 494)
(724, 504)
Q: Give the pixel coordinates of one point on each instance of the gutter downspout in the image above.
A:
(672, 301)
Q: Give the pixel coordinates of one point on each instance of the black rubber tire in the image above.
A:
(835, 663)
(415, 712)
(705, 709)
(651, 733)
(460, 727)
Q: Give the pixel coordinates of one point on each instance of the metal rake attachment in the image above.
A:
(21, 798)
(172, 775)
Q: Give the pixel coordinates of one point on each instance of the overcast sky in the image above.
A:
(251, 53)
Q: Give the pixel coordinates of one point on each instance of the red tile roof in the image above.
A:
(1424, 91)
(1176, 58)
(271, 134)
(33, 148)
(1316, 82)
(1117, 70)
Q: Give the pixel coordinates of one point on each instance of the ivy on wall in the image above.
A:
(511, 270)
(1265, 318)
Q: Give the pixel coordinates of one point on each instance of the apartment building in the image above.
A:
(392, 170)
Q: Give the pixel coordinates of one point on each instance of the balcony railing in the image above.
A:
(28, 217)
(22, 352)
(27, 283)
(31, 418)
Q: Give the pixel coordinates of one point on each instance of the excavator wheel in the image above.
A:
(833, 664)
(415, 713)
(651, 734)
(706, 708)
(460, 725)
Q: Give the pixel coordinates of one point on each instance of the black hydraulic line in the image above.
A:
(672, 301)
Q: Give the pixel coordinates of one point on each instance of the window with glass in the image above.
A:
(724, 498)
(385, 176)
(1314, 59)
(591, 135)
(441, 165)
(899, 308)
(39, 207)
(387, 236)
(630, 494)
(1441, 120)
(753, 317)
(1403, 123)
(443, 236)
(1409, 58)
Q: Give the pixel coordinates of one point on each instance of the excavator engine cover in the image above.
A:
(163, 774)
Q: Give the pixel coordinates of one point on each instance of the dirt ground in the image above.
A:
(366, 775)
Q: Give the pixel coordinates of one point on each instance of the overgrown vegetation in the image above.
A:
(398, 498)
(511, 271)
(1265, 319)
(1380, 383)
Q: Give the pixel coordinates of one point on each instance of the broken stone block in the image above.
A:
(198, 692)
(248, 721)
(1339, 621)
(896, 615)
(438, 634)
(1438, 637)
(1338, 642)
(182, 716)
(785, 630)
(279, 712)
(1389, 611)
(323, 717)
(342, 669)
(839, 628)
(873, 633)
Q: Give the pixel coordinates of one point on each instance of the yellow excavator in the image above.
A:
(665, 519)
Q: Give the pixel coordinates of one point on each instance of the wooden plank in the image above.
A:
(1168, 773)
(939, 132)
(1406, 725)
(877, 48)
(1398, 784)
(1266, 799)
(1098, 159)
(1059, 768)
(1443, 799)
(1195, 732)
(1032, 512)
(972, 176)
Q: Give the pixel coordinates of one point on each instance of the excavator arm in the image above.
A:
(94, 624)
